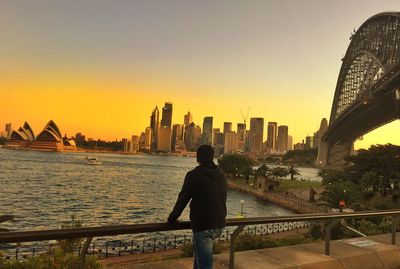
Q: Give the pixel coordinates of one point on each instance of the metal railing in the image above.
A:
(91, 232)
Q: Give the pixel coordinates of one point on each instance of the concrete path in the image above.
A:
(373, 252)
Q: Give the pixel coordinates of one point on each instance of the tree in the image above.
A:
(236, 164)
(377, 168)
(341, 190)
(280, 172)
(293, 172)
(263, 170)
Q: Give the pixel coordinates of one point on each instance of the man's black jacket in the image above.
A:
(207, 187)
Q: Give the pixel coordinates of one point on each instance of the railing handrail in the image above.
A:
(85, 232)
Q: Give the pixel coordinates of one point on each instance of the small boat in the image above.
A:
(92, 160)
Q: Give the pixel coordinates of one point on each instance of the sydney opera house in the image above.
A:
(50, 139)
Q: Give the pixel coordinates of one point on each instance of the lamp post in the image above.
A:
(241, 207)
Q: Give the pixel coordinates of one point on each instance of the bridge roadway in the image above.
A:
(356, 253)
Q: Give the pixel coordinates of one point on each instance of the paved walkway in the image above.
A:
(365, 253)
(297, 204)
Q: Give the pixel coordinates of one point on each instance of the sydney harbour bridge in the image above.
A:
(367, 93)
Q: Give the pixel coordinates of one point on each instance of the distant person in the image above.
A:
(206, 187)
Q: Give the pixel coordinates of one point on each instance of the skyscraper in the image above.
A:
(241, 136)
(148, 139)
(192, 137)
(218, 141)
(177, 135)
(188, 119)
(154, 125)
(207, 131)
(271, 135)
(230, 142)
(166, 120)
(256, 134)
(164, 139)
(282, 141)
(165, 130)
(290, 142)
(227, 127)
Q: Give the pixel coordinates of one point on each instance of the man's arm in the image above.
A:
(183, 199)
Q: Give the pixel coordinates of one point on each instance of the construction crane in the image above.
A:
(244, 116)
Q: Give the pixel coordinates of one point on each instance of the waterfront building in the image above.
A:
(192, 137)
(230, 142)
(164, 139)
(125, 145)
(80, 139)
(134, 147)
(166, 119)
(256, 135)
(241, 136)
(49, 139)
(271, 136)
(20, 138)
(154, 125)
(290, 142)
(282, 141)
(177, 138)
(7, 130)
(299, 146)
(188, 119)
(308, 142)
(207, 131)
(148, 139)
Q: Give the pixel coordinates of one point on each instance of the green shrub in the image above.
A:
(57, 259)
(293, 240)
(187, 249)
(249, 241)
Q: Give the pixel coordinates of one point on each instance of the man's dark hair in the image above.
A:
(205, 154)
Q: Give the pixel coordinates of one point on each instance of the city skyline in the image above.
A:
(100, 69)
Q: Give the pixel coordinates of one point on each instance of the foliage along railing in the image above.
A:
(90, 232)
(126, 246)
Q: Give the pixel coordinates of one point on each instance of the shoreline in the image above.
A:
(296, 204)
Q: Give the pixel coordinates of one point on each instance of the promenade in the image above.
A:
(372, 252)
(294, 201)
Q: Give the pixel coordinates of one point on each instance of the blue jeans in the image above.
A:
(203, 248)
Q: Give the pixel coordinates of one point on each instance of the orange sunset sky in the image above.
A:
(100, 67)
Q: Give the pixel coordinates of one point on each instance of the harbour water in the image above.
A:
(42, 190)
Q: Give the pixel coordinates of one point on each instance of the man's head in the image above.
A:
(205, 154)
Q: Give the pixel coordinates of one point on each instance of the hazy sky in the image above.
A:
(99, 67)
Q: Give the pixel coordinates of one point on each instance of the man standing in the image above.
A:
(206, 187)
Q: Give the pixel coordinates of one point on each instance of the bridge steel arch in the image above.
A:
(366, 89)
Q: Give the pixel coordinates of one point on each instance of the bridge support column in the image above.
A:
(322, 157)
(337, 153)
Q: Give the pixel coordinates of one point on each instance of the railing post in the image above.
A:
(175, 241)
(395, 223)
(235, 234)
(84, 251)
(144, 240)
(16, 253)
(106, 249)
(132, 246)
(328, 229)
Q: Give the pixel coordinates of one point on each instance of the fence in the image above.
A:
(240, 224)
